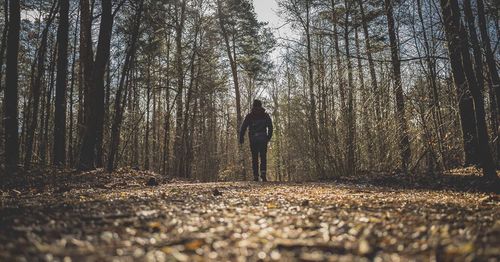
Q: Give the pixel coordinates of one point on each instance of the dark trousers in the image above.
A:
(259, 149)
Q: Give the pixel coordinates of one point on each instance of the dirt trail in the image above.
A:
(129, 220)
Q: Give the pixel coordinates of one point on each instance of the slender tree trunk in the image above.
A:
(3, 45)
(187, 111)
(44, 147)
(351, 157)
(312, 100)
(61, 82)
(119, 101)
(435, 105)
(490, 57)
(86, 56)
(166, 137)
(80, 118)
(191, 123)
(365, 102)
(11, 89)
(340, 71)
(341, 82)
(44, 97)
(135, 109)
(371, 64)
(37, 88)
(105, 121)
(404, 140)
(25, 116)
(86, 62)
(71, 152)
(148, 103)
(178, 145)
(466, 106)
(158, 124)
(153, 127)
(231, 54)
(494, 122)
(494, 79)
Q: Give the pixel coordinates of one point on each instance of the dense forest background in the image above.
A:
(361, 86)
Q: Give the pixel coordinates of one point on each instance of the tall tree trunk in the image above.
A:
(3, 45)
(494, 79)
(37, 88)
(490, 57)
(367, 124)
(99, 162)
(435, 105)
(371, 64)
(478, 56)
(153, 127)
(61, 81)
(404, 140)
(44, 148)
(187, 111)
(94, 121)
(166, 135)
(148, 103)
(312, 99)
(351, 158)
(465, 103)
(476, 89)
(460, 59)
(86, 56)
(178, 145)
(11, 86)
(44, 108)
(86, 62)
(137, 119)
(168, 107)
(231, 54)
(341, 86)
(119, 101)
(71, 152)
(80, 117)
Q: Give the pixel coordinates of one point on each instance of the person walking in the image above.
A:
(260, 132)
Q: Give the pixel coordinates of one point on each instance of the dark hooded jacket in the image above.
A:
(259, 124)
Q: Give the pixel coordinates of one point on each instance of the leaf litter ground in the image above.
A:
(138, 216)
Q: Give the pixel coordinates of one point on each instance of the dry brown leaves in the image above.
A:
(123, 217)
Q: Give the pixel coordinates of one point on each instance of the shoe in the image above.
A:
(263, 175)
(256, 179)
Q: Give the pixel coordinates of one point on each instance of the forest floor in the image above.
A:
(134, 215)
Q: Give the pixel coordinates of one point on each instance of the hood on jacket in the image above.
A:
(257, 112)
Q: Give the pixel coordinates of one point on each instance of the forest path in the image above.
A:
(129, 220)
